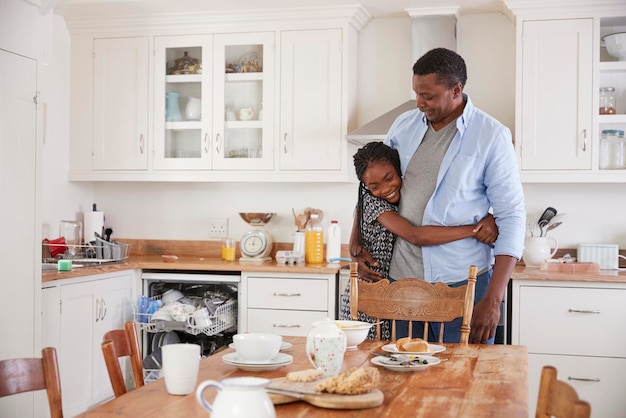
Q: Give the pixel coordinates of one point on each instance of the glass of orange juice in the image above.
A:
(228, 249)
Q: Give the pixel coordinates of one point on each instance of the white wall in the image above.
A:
(182, 211)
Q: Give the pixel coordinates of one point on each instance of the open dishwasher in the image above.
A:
(163, 321)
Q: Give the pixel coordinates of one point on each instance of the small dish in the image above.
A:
(283, 346)
(433, 349)
(413, 366)
(280, 360)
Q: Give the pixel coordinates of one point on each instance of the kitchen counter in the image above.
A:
(154, 262)
(522, 272)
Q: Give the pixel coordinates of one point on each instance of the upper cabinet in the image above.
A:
(561, 65)
(262, 98)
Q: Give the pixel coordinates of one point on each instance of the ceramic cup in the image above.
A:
(238, 397)
(181, 363)
(246, 113)
(200, 318)
(180, 312)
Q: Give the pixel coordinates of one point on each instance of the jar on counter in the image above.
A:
(612, 150)
(607, 101)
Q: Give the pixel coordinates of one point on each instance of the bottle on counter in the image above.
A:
(333, 243)
(314, 241)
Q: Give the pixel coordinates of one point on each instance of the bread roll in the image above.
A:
(416, 345)
(401, 342)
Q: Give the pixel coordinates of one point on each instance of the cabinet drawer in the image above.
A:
(567, 320)
(297, 294)
(606, 375)
(294, 323)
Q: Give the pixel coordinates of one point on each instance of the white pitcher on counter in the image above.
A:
(539, 249)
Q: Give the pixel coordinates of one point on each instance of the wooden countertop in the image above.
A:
(522, 272)
(474, 381)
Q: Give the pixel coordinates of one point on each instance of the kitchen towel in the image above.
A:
(606, 255)
(94, 222)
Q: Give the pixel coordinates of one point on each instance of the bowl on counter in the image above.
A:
(616, 45)
(259, 218)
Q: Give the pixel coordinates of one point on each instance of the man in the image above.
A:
(457, 163)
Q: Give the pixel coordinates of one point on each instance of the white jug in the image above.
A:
(325, 347)
(246, 113)
(238, 397)
(193, 109)
(538, 249)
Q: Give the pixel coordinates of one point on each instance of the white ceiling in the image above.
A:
(376, 8)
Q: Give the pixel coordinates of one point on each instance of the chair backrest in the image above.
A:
(559, 399)
(122, 343)
(30, 374)
(413, 299)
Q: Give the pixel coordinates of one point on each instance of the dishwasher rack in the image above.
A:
(223, 319)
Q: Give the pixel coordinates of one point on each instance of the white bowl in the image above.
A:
(171, 296)
(356, 331)
(616, 45)
(257, 347)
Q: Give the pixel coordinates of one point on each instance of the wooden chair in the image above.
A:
(558, 399)
(413, 300)
(121, 343)
(30, 374)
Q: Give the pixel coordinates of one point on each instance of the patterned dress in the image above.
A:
(379, 241)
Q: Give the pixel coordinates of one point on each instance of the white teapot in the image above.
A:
(325, 346)
(238, 397)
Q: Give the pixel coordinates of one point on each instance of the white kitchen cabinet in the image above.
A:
(311, 134)
(243, 101)
(181, 132)
(77, 313)
(300, 98)
(120, 103)
(285, 304)
(556, 98)
(560, 67)
(572, 326)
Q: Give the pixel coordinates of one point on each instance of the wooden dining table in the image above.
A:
(471, 381)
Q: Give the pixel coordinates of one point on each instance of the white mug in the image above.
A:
(200, 318)
(245, 113)
(181, 363)
(238, 397)
(538, 249)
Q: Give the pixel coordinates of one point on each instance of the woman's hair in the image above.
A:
(372, 152)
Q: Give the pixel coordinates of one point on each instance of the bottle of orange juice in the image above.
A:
(314, 241)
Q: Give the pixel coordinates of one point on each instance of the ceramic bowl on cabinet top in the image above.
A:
(356, 331)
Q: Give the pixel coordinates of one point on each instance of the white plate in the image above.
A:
(283, 346)
(170, 337)
(280, 360)
(395, 365)
(434, 348)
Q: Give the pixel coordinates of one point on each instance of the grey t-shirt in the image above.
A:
(420, 180)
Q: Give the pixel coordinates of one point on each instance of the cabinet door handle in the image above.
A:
(594, 311)
(218, 143)
(206, 143)
(141, 143)
(583, 379)
(104, 309)
(98, 309)
(286, 326)
(584, 140)
(285, 143)
(287, 294)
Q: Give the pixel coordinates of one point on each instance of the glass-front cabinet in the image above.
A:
(182, 102)
(243, 100)
(213, 102)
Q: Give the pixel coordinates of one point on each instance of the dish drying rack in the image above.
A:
(102, 252)
(223, 319)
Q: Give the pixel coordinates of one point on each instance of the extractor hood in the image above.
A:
(430, 28)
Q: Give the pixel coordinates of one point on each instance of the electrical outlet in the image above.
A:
(218, 228)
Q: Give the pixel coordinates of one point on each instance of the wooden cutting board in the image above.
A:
(323, 400)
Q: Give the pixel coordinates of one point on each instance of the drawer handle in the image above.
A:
(287, 294)
(583, 379)
(286, 326)
(596, 311)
